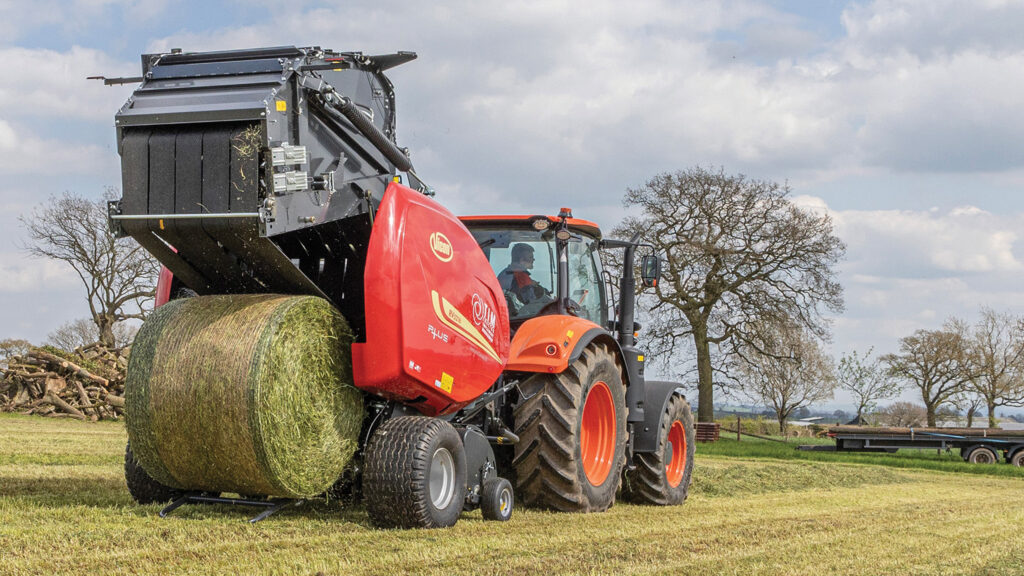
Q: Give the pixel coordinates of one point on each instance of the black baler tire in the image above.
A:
(143, 488)
(396, 479)
(982, 449)
(490, 500)
(648, 482)
(548, 463)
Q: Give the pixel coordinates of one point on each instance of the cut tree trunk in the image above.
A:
(67, 408)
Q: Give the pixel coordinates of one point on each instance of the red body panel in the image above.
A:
(163, 287)
(436, 319)
(543, 344)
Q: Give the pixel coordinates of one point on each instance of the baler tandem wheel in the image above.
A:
(415, 475)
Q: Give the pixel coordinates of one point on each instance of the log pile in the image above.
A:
(85, 385)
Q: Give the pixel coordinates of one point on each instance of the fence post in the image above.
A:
(738, 427)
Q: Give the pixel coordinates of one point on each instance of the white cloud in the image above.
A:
(928, 243)
(912, 269)
(23, 153)
(26, 275)
(617, 91)
(51, 84)
(19, 19)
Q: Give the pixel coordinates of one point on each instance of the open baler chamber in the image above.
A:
(259, 171)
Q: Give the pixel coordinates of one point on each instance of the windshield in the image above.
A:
(525, 262)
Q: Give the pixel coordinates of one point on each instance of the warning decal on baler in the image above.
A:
(451, 317)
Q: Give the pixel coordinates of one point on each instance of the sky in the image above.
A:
(899, 119)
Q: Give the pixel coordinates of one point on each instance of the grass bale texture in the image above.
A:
(244, 393)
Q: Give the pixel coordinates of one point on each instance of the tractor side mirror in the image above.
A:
(650, 270)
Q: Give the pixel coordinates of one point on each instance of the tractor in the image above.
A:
(494, 363)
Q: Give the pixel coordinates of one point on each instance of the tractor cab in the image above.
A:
(525, 252)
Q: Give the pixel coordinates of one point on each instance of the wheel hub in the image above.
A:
(597, 434)
(675, 454)
(442, 478)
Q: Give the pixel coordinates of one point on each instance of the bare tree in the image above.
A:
(74, 334)
(790, 375)
(738, 251)
(868, 380)
(119, 276)
(969, 403)
(902, 415)
(996, 347)
(11, 347)
(935, 361)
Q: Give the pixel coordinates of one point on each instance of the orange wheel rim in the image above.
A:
(597, 434)
(675, 467)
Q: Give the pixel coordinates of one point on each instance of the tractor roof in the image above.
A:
(585, 226)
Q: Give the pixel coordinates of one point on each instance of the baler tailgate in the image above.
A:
(205, 171)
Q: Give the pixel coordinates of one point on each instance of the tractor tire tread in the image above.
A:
(545, 464)
(647, 483)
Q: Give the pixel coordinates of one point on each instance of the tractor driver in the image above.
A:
(515, 278)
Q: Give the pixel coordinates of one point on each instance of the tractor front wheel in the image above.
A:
(662, 478)
(415, 475)
(572, 430)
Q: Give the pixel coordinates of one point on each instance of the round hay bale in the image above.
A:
(250, 394)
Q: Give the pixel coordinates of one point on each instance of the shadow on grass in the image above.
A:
(108, 492)
(62, 492)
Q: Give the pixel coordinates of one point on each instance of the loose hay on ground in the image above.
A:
(250, 394)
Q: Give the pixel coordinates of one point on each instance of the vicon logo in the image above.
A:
(483, 316)
(441, 247)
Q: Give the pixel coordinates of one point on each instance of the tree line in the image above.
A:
(743, 303)
(747, 288)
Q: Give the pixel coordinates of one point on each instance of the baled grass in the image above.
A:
(800, 517)
(247, 394)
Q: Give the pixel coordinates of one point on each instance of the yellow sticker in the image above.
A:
(569, 334)
(640, 358)
(446, 382)
(282, 106)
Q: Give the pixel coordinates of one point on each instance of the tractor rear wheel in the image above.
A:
(572, 430)
(662, 478)
(415, 475)
(143, 488)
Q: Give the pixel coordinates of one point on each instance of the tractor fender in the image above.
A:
(656, 397)
(550, 343)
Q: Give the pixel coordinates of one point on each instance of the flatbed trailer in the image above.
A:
(976, 445)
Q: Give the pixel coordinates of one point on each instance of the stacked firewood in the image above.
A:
(85, 385)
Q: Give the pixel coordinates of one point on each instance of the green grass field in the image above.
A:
(755, 508)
